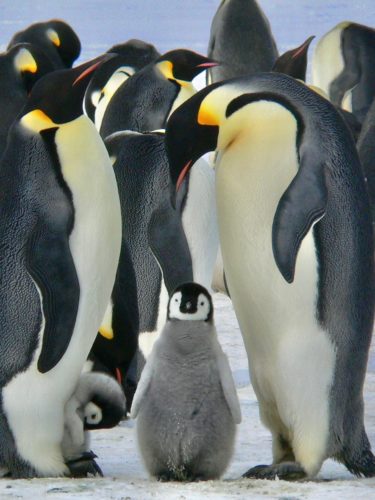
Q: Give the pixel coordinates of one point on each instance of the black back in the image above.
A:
(142, 103)
(241, 40)
(366, 150)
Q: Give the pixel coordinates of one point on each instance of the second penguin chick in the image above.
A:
(186, 400)
(97, 403)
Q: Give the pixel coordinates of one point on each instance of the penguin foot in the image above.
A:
(84, 466)
(288, 471)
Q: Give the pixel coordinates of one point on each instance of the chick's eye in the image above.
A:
(202, 303)
(176, 300)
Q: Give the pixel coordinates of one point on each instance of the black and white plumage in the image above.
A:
(186, 402)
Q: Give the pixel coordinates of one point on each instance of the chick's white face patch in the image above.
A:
(200, 308)
(92, 414)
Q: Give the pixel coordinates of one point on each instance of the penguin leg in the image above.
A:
(288, 471)
(84, 466)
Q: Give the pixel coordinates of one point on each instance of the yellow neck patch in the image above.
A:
(24, 61)
(37, 120)
(166, 69)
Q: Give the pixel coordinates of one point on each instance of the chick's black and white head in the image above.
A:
(190, 302)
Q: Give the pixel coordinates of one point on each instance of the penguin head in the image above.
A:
(56, 37)
(183, 65)
(102, 413)
(28, 64)
(294, 62)
(190, 302)
(57, 97)
(64, 39)
(135, 53)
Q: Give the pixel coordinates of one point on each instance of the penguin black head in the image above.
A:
(186, 139)
(27, 63)
(56, 37)
(57, 97)
(103, 413)
(190, 302)
(182, 64)
(294, 62)
(136, 53)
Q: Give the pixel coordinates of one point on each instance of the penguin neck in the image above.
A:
(188, 337)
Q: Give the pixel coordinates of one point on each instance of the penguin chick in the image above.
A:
(97, 403)
(186, 400)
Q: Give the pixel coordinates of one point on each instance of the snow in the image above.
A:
(170, 24)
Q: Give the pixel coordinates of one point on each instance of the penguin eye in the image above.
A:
(202, 303)
(176, 300)
(93, 416)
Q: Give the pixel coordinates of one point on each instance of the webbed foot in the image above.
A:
(288, 471)
(84, 466)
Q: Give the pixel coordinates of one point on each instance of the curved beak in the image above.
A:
(89, 67)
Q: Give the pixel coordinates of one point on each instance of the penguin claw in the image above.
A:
(84, 466)
(287, 471)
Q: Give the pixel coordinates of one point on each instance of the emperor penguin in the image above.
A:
(98, 402)
(20, 67)
(184, 240)
(343, 67)
(241, 40)
(297, 246)
(57, 39)
(61, 237)
(129, 58)
(294, 62)
(143, 102)
(186, 402)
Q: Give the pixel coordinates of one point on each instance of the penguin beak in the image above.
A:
(183, 174)
(209, 64)
(89, 67)
(302, 48)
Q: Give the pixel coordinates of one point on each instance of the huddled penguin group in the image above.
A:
(111, 221)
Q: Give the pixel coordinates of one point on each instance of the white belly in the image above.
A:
(328, 61)
(33, 401)
(284, 342)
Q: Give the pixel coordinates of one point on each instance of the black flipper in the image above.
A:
(169, 245)
(302, 204)
(50, 264)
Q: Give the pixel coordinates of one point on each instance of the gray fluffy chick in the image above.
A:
(186, 400)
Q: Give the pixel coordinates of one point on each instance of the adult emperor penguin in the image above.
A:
(144, 101)
(186, 400)
(294, 62)
(343, 67)
(241, 40)
(303, 296)
(57, 39)
(184, 241)
(129, 58)
(60, 235)
(20, 67)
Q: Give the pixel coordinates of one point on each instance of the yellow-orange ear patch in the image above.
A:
(37, 121)
(54, 37)
(207, 116)
(24, 61)
(166, 68)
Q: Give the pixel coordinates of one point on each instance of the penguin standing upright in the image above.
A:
(20, 67)
(241, 40)
(139, 303)
(303, 296)
(129, 58)
(343, 67)
(186, 401)
(60, 235)
(144, 101)
(57, 39)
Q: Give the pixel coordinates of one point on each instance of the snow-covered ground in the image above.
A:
(170, 24)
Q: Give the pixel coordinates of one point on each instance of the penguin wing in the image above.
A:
(169, 245)
(50, 264)
(227, 383)
(143, 384)
(302, 204)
